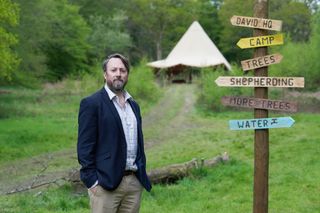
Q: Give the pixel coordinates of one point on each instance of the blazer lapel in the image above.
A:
(134, 109)
(106, 99)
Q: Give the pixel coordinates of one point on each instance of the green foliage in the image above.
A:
(230, 35)
(53, 40)
(58, 38)
(296, 18)
(209, 19)
(141, 84)
(156, 26)
(105, 8)
(9, 16)
(210, 94)
(301, 59)
(295, 15)
(108, 36)
(67, 47)
(33, 32)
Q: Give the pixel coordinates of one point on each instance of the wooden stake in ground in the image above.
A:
(261, 136)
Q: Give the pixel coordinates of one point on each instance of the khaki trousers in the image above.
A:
(125, 199)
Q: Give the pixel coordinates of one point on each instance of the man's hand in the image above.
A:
(94, 189)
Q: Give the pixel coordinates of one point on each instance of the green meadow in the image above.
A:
(36, 126)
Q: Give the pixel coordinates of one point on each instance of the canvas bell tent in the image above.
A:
(194, 49)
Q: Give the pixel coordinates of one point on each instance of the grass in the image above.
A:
(294, 175)
(36, 122)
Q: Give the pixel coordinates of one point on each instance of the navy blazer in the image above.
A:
(102, 147)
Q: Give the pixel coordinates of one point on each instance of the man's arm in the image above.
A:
(87, 139)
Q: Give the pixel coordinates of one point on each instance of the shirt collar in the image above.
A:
(112, 95)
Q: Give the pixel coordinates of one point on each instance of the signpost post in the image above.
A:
(261, 136)
(261, 104)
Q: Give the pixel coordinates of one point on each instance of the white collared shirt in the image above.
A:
(129, 124)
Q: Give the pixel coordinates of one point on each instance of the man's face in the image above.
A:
(116, 75)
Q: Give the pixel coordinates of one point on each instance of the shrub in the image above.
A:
(141, 84)
(210, 94)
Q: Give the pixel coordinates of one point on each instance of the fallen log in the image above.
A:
(165, 175)
(172, 173)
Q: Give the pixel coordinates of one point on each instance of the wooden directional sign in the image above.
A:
(259, 103)
(261, 123)
(263, 61)
(254, 22)
(260, 41)
(237, 81)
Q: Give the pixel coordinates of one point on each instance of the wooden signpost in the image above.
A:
(262, 61)
(239, 81)
(260, 41)
(254, 22)
(261, 123)
(260, 103)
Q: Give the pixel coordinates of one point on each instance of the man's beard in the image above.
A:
(118, 85)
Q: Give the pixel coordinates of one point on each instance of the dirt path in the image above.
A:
(168, 116)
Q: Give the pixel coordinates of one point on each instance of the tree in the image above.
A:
(103, 8)
(108, 35)
(156, 25)
(209, 19)
(54, 39)
(230, 35)
(33, 31)
(301, 59)
(67, 47)
(9, 15)
(296, 17)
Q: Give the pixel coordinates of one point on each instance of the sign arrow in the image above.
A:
(261, 123)
(253, 22)
(239, 81)
(260, 41)
(262, 61)
(259, 103)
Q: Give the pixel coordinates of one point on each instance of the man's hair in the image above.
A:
(124, 60)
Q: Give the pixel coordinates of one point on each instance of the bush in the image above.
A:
(301, 59)
(209, 98)
(141, 84)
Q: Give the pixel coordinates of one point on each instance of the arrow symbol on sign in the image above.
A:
(261, 123)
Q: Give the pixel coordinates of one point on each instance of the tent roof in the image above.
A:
(194, 49)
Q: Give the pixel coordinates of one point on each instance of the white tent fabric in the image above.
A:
(194, 49)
